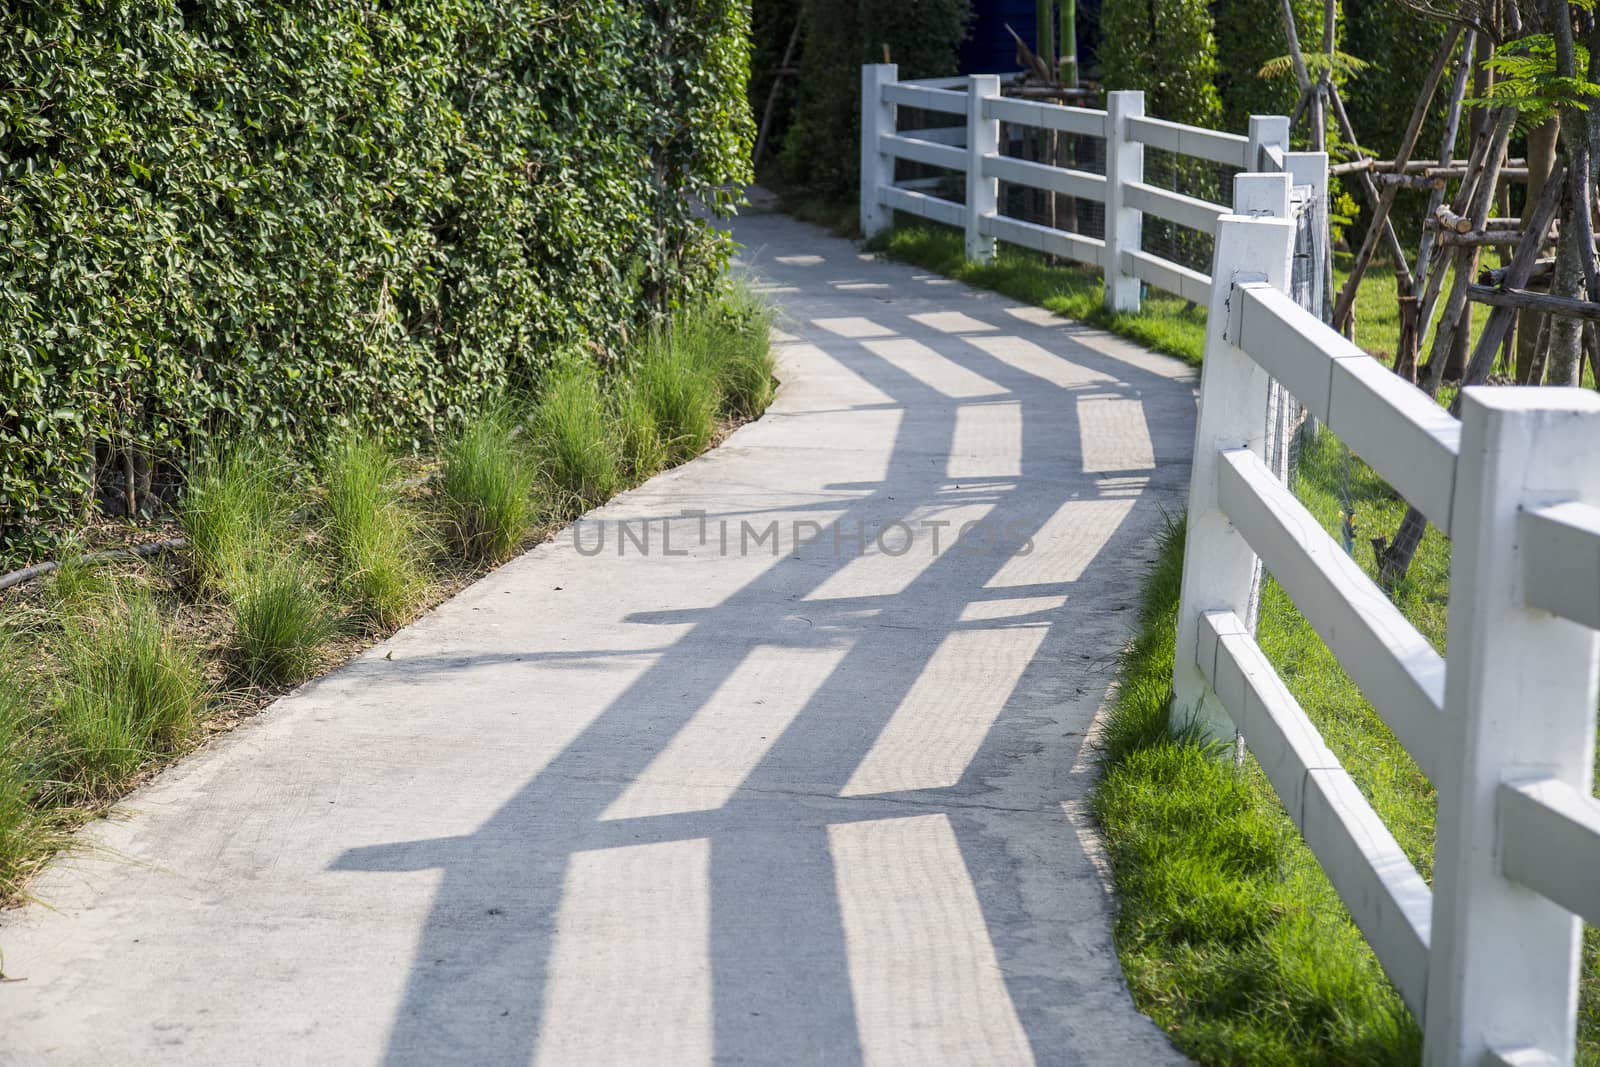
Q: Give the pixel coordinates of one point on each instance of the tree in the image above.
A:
(820, 148)
(1168, 49)
(1249, 37)
(1551, 73)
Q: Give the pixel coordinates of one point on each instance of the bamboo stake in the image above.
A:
(1302, 79)
(1325, 91)
(1395, 560)
(1373, 196)
(1447, 151)
(1436, 273)
(772, 95)
(1511, 299)
(1467, 258)
(1369, 244)
(1524, 263)
(1068, 44)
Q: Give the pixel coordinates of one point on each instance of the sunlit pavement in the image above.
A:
(744, 768)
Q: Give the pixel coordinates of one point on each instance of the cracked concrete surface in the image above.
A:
(811, 798)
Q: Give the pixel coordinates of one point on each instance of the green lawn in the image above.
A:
(1230, 935)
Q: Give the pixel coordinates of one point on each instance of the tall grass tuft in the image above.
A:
(740, 327)
(25, 833)
(280, 620)
(231, 505)
(642, 450)
(676, 381)
(77, 584)
(130, 689)
(377, 561)
(577, 451)
(485, 485)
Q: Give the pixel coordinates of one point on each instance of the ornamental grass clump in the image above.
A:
(574, 441)
(485, 487)
(129, 689)
(643, 453)
(737, 337)
(676, 381)
(280, 620)
(373, 536)
(233, 503)
(24, 831)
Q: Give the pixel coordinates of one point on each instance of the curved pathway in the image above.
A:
(762, 763)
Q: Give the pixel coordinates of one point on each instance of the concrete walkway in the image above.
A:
(775, 790)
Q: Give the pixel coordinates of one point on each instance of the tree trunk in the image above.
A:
(1564, 362)
(1565, 352)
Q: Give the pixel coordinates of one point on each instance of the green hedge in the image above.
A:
(279, 218)
(1166, 48)
(821, 148)
(1250, 33)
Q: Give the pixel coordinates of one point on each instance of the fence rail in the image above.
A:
(1488, 958)
(972, 157)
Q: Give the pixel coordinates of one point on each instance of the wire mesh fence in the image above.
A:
(1068, 151)
(1199, 178)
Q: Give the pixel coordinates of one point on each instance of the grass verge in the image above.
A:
(109, 671)
(1168, 324)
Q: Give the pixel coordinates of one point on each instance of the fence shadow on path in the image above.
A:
(832, 817)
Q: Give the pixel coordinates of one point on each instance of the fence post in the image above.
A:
(1124, 163)
(983, 139)
(1519, 701)
(1270, 195)
(1310, 169)
(1219, 567)
(877, 169)
(1263, 132)
(1263, 196)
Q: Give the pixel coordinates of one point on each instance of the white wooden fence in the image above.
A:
(1488, 960)
(973, 150)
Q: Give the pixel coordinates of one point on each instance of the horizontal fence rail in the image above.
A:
(1227, 148)
(974, 165)
(1488, 958)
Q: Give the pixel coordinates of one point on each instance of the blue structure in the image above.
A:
(989, 49)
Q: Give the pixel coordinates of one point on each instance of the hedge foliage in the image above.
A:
(1249, 33)
(279, 218)
(1166, 48)
(821, 144)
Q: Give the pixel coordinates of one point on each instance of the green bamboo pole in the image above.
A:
(1069, 43)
